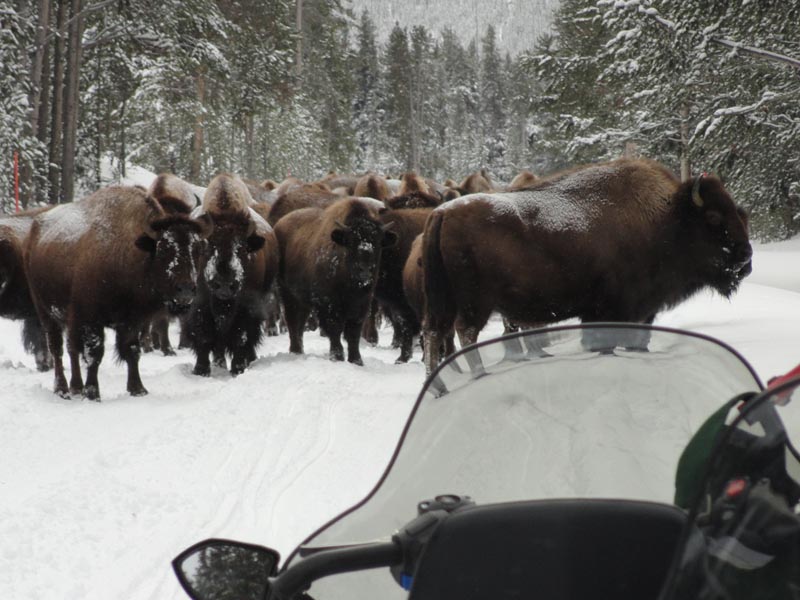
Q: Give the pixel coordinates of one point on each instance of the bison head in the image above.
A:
(174, 244)
(363, 239)
(718, 234)
(236, 237)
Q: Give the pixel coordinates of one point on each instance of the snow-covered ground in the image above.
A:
(96, 498)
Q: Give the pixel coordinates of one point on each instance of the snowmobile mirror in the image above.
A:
(220, 569)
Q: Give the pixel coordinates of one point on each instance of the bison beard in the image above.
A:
(619, 241)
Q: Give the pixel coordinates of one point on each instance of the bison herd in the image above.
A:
(617, 241)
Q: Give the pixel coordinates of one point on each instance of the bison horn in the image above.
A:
(696, 198)
(342, 226)
(387, 226)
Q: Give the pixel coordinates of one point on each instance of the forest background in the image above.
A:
(269, 88)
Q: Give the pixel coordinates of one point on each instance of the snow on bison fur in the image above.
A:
(114, 259)
(618, 241)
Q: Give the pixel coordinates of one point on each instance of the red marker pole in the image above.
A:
(16, 181)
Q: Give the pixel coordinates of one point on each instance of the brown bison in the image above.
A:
(237, 267)
(618, 241)
(414, 289)
(372, 186)
(475, 183)
(329, 262)
(414, 192)
(523, 180)
(407, 224)
(113, 259)
(302, 196)
(15, 297)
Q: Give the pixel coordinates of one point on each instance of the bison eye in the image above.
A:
(713, 218)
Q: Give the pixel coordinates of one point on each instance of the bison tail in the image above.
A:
(440, 307)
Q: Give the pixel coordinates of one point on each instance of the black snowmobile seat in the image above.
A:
(551, 550)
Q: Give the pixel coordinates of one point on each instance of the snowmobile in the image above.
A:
(603, 461)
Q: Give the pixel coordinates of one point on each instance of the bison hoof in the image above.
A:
(357, 361)
(202, 371)
(140, 391)
(91, 392)
(63, 393)
(169, 352)
(402, 360)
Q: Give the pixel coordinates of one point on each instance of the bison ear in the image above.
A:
(145, 243)
(340, 236)
(255, 242)
(389, 239)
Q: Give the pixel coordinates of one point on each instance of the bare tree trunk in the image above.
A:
(197, 147)
(57, 120)
(249, 144)
(44, 94)
(40, 47)
(298, 62)
(123, 151)
(686, 166)
(71, 103)
(37, 61)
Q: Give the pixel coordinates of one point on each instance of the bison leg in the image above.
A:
(202, 364)
(93, 350)
(219, 356)
(333, 328)
(431, 343)
(370, 327)
(75, 339)
(184, 341)
(247, 338)
(296, 315)
(34, 341)
(128, 350)
(55, 342)
(160, 331)
(146, 338)
(406, 328)
(352, 334)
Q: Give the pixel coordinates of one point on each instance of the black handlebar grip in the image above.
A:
(297, 578)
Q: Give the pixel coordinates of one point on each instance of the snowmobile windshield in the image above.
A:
(600, 411)
(743, 538)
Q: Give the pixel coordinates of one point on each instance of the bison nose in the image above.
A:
(184, 293)
(743, 254)
(224, 290)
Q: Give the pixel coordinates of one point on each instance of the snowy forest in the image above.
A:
(270, 88)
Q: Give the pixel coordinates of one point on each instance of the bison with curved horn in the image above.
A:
(237, 268)
(618, 241)
(329, 262)
(114, 259)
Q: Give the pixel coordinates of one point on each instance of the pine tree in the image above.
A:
(366, 100)
(397, 123)
(493, 112)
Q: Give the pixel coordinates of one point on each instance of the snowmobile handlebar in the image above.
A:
(299, 577)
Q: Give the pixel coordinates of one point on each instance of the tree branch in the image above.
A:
(739, 47)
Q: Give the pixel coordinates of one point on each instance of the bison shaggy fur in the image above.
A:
(618, 241)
